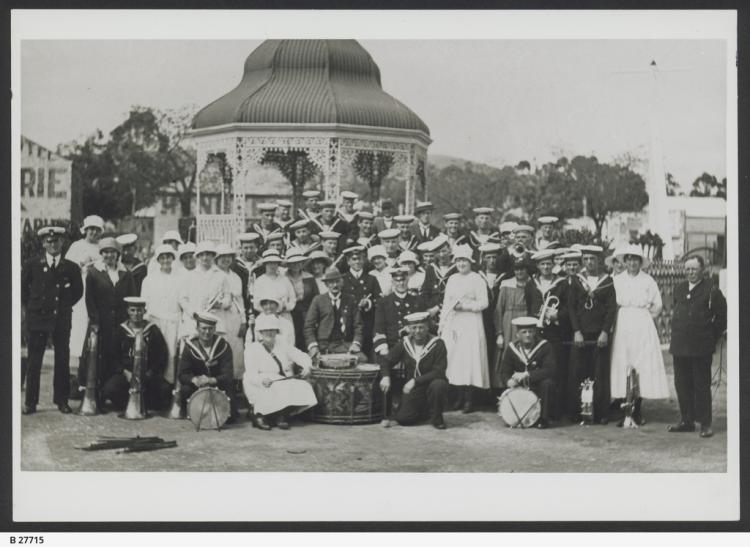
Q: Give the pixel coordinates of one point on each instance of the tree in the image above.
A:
(296, 167)
(705, 186)
(373, 167)
(673, 187)
(181, 158)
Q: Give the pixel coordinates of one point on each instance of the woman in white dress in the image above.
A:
(83, 252)
(270, 382)
(462, 328)
(231, 313)
(380, 270)
(274, 283)
(161, 291)
(636, 342)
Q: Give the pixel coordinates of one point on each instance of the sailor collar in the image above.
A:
(526, 356)
(131, 332)
(200, 353)
(425, 350)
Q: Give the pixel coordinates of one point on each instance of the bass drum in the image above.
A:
(519, 407)
(208, 408)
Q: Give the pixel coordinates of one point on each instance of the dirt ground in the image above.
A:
(477, 442)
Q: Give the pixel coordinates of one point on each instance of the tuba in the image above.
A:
(136, 408)
(176, 411)
(551, 302)
(633, 392)
(89, 406)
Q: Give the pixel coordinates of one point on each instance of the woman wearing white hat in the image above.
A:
(161, 291)
(462, 328)
(231, 311)
(271, 383)
(274, 283)
(201, 288)
(84, 252)
(410, 261)
(636, 342)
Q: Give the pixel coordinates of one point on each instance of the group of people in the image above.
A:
(453, 315)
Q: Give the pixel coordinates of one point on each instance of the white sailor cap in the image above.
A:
(354, 249)
(275, 236)
(489, 248)
(452, 216)
(483, 210)
(266, 207)
(507, 227)
(346, 194)
(439, 241)
(425, 247)
(285, 203)
(136, 301)
(591, 249)
(248, 237)
(327, 204)
(302, 223)
(310, 194)
(523, 228)
(572, 255)
(525, 322)
(389, 233)
(417, 318)
(205, 317)
(547, 220)
(546, 254)
(126, 239)
(404, 219)
(329, 235)
(365, 215)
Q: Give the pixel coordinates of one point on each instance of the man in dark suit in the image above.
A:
(699, 320)
(385, 220)
(364, 289)
(50, 287)
(423, 229)
(333, 323)
(424, 360)
(107, 284)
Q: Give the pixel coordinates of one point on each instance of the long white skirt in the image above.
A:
(168, 328)
(79, 326)
(636, 343)
(463, 334)
(294, 393)
(229, 322)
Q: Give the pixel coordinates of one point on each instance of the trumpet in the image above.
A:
(551, 302)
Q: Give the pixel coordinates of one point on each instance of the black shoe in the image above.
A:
(281, 423)
(260, 423)
(31, 409)
(706, 432)
(681, 427)
(231, 421)
(64, 408)
(439, 424)
(542, 424)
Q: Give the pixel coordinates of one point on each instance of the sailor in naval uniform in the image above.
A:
(530, 361)
(406, 239)
(267, 224)
(423, 385)
(365, 290)
(131, 262)
(347, 212)
(389, 238)
(310, 211)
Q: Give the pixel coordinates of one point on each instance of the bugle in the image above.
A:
(136, 407)
(89, 406)
(176, 411)
(551, 302)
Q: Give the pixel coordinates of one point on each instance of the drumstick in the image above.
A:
(295, 376)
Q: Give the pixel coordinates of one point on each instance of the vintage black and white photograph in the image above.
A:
(435, 255)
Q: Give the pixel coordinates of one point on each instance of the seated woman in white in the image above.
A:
(271, 306)
(270, 382)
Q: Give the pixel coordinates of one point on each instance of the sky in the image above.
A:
(492, 101)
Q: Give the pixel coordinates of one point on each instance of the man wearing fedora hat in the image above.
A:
(107, 284)
(333, 323)
(423, 229)
(385, 220)
(50, 287)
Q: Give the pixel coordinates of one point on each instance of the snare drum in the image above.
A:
(347, 396)
(338, 360)
(208, 408)
(519, 407)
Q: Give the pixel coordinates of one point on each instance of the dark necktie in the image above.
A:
(54, 264)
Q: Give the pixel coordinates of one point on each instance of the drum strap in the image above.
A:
(273, 356)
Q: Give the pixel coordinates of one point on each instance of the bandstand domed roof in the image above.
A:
(309, 82)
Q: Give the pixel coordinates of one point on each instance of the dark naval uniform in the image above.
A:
(48, 295)
(138, 270)
(427, 368)
(265, 232)
(389, 322)
(215, 363)
(366, 286)
(156, 389)
(106, 309)
(433, 287)
(592, 311)
(699, 318)
(559, 334)
(540, 364)
(419, 232)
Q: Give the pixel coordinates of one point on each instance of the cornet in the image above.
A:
(517, 250)
(551, 302)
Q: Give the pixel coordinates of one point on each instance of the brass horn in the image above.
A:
(88, 404)
(517, 250)
(136, 408)
(176, 411)
(551, 302)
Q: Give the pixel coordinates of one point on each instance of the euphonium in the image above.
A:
(551, 302)
(176, 411)
(633, 391)
(517, 250)
(88, 404)
(136, 408)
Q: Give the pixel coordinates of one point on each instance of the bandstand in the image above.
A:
(320, 97)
